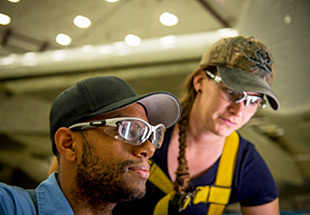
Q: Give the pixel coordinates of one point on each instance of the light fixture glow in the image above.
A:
(227, 32)
(132, 40)
(87, 48)
(104, 49)
(82, 21)
(29, 59)
(14, 1)
(4, 19)
(58, 55)
(8, 60)
(168, 19)
(168, 41)
(121, 48)
(63, 39)
(111, 1)
(287, 19)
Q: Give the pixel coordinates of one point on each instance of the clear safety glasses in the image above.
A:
(251, 103)
(131, 130)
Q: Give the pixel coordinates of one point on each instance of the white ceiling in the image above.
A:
(41, 21)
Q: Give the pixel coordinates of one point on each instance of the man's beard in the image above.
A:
(99, 183)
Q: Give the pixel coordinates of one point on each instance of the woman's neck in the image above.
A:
(202, 148)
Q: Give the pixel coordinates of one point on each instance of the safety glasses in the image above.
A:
(131, 130)
(251, 103)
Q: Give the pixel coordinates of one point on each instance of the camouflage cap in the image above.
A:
(244, 63)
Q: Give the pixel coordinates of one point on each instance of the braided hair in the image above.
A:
(182, 174)
(187, 100)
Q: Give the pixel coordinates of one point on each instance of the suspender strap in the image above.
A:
(220, 192)
(162, 205)
(217, 195)
(159, 178)
(228, 161)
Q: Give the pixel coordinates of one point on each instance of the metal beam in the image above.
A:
(214, 13)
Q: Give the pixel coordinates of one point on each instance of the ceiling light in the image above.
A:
(63, 39)
(120, 48)
(82, 21)
(111, 1)
(4, 19)
(227, 32)
(8, 60)
(87, 48)
(14, 1)
(119, 45)
(29, 59)
(104, 49)
(168, 41)
(132, 40)
(168, 19)
(58, 55)
(287, 19)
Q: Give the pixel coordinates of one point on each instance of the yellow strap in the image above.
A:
(217, 195)
(215, 209)
(159, 178)
(228, 161)
(162, 205)
(220, 193)
(201, 195)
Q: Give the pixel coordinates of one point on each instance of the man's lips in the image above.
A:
(141, 170)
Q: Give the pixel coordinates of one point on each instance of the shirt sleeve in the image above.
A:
(14, 200)
(254, 181)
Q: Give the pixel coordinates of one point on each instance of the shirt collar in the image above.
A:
(50, 198)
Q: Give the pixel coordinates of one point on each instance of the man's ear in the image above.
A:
(65, 141)
(198, 81)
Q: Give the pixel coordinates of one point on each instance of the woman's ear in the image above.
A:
(198, 81)
(65, 143)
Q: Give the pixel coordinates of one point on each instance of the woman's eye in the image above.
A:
(254, 101)
(228, 90)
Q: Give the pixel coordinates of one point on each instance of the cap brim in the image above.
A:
(161, 107)
(237, 79)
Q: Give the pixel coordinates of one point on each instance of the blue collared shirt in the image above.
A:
(50, 199)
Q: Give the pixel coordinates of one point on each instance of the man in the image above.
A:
(102, 133)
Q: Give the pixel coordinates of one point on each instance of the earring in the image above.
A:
(199, 90)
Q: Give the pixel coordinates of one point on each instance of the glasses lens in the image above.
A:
(157, 137)
(132, 131)
(254, 103)
(236, 95)
(231, 95)
(136, 132)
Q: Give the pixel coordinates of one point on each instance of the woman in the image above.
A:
(204, 164)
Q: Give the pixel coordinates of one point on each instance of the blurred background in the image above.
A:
(48, 45)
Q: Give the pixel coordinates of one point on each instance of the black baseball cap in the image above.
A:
(103, 94)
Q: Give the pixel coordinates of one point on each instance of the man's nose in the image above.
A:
(146, 149)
